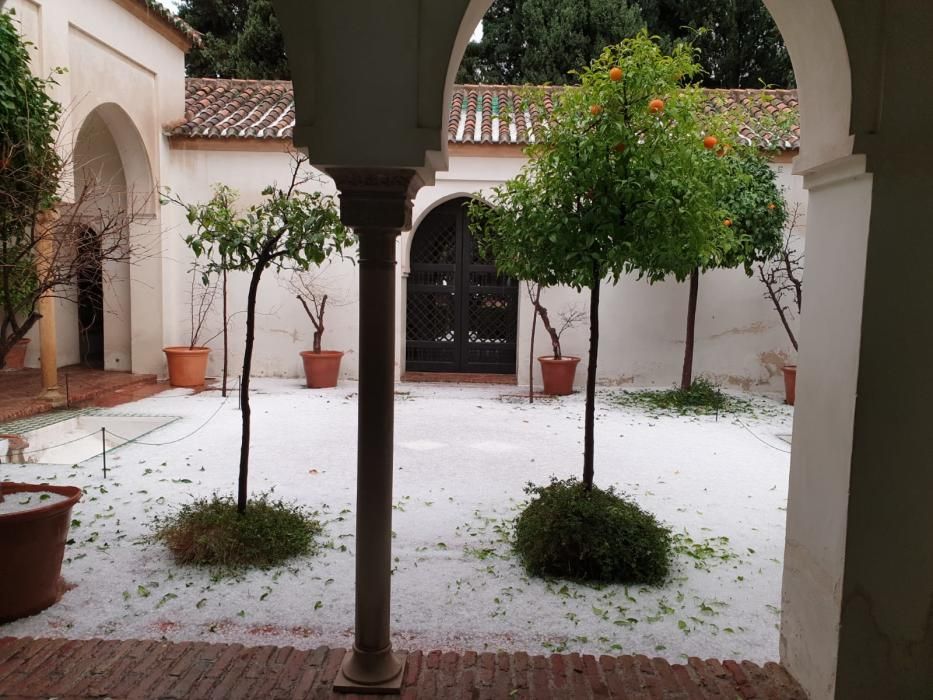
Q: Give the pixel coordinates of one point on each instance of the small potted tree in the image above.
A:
(322, 367)
(187, 364)
(557, 370)
(782, 276)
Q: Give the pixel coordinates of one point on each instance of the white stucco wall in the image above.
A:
(282, 328)
(740, 340)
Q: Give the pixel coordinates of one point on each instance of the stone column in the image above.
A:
(376, 203)
(48, 343)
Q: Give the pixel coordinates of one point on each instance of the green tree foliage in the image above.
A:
(242, 39)
(525, 41)
(291, 229)
(535, 41)
(539, 41)
(618, 180)
(741, 47)
(30, 171)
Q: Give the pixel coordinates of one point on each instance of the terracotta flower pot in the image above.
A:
(790, 383)
(321, 368)
(32, 545)
(186, 366)
(16, 356)
(558, 374)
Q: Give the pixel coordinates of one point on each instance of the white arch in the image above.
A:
(134, 157)
(410, 235)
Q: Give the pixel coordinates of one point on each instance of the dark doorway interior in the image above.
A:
(461, 314)
(90, 303)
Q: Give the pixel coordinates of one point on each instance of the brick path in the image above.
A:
(70, 669)
(86, 387)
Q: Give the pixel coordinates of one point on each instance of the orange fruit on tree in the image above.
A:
(710, 142)
(772, 206)
(615, 74)
(655, 106)
(595, 110)
(727, 222)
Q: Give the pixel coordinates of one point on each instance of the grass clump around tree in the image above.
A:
(210, 532)
(702, 398)
(595, 535)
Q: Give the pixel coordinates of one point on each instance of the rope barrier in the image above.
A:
(171, 442)
(763, 442)
(127, 440)
(55, 447)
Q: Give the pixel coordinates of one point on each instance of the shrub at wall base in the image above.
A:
(32, 546)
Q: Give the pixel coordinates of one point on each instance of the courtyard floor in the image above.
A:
(463, 456)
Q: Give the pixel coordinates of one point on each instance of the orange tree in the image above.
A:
(291, 229)
(751, 230)
(618, 180)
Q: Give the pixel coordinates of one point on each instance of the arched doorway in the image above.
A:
(115, 207)
(461, 314)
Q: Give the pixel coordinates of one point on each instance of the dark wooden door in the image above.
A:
(461, 314)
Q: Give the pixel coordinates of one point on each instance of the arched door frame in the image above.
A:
(481, 359)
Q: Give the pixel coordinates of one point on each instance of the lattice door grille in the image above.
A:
(461, 314)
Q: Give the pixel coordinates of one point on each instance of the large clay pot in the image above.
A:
(16, 356)
(558, 374)
(32, 545)
(321, 368)
(186, 366)
(790, 383)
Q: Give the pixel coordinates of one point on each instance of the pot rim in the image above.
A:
(564, 358)
(323, 353)
(185, 350)
(72, 493)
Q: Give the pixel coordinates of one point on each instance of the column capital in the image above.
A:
(48, 217)
(376, 197)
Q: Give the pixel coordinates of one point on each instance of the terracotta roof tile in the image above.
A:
(265, 109)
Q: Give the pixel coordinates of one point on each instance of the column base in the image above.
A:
(371, 673)
(54, 396)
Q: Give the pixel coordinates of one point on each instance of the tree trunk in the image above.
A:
(244, 385)
(546, 320)
(590, 413)
(223, 384)
(686, 378)
(535, 298)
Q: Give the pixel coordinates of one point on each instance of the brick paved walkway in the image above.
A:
(69, 670)
(86, 387)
